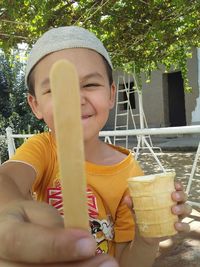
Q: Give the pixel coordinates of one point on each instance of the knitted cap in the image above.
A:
(61, 38)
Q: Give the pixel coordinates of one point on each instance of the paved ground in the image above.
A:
(181, 250)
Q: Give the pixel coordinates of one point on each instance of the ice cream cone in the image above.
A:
(152, 202)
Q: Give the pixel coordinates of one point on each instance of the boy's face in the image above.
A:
(97, 98)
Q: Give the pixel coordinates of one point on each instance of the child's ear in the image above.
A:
(32, 101)
(112, 95)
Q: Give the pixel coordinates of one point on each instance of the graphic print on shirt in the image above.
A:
(101, 228)
(54, 197)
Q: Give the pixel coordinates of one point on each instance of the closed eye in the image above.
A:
(92, 85)
(47, 92)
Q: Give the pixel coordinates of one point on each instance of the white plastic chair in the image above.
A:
(11, 142)
(2, 138)
(11, 150)
(192, 177)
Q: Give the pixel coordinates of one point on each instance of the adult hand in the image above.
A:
(32, 234)
(96, 261)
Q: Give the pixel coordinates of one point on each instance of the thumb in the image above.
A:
(27, 237)
(128, 201)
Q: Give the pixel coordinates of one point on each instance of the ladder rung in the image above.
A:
(122, 90)
(120, 139)
(122, 114)
(128, 90)
(123, 102)
(121, 126)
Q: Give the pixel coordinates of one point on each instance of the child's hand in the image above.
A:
(181, 208)
(32, 233)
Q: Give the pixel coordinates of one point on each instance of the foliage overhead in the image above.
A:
(138, 33)
(14, 110)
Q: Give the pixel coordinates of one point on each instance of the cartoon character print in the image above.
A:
(101, 229)
(102, 232)
(107, 228)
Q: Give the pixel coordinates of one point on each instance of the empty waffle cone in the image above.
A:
(152, 202)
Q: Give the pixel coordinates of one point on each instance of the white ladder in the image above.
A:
(122, 116)
(123, 98)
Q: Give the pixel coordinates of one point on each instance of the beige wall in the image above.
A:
(155, 98)
(191, 98)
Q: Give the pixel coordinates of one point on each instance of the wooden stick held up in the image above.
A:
(69, 138)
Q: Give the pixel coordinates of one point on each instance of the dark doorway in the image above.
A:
(176, 99)
(131, 96)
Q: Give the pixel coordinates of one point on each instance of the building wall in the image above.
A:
(155, 97)
(153, 100)
(195, 67)
(191, 98)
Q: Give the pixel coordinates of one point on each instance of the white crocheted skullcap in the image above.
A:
(61, 38)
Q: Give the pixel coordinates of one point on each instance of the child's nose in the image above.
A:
(82, 97)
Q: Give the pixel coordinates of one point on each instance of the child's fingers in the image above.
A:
(179, 196)
(128, 201)
(178, 186)
(182, 210)
(97, 261)
(182, 227)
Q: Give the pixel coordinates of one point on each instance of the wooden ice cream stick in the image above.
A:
(69, 138)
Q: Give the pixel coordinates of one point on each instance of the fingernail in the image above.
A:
(176, 209)
(178, 226)
(109, 264)
(86, 247)
(177, 196)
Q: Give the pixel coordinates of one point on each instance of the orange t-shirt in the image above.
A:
(110, 220)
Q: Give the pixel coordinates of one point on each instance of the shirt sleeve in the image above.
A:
(31, 152)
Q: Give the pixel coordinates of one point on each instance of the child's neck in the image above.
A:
(100, 153)
(91, 149)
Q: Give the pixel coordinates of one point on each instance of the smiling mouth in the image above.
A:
(86, 117)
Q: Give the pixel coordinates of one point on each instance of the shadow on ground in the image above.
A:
(182, 250)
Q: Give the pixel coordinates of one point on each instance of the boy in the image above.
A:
(34, 168)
